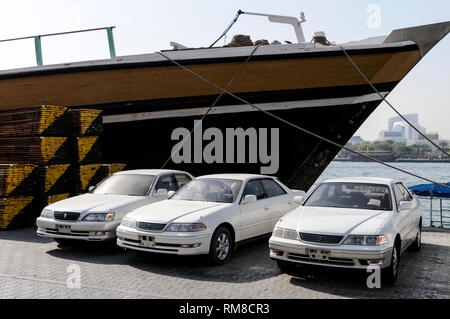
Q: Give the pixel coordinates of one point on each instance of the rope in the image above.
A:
(215, 102)
(300, 128)
(392, 107)
(228, 28)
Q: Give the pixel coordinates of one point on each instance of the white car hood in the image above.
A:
(94, 203)
(169, 210)
(335, 220)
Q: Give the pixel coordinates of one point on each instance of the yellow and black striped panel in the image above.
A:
(86, 122)
(56, 179)
(42, 150)
(55, 150)
(43, 120)
(88, 150)
(17, 179)
(53, 121)
(16, 211)
(86, 174)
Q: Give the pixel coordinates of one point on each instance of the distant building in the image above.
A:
(356, 140)
(431, 136)
(400, 131)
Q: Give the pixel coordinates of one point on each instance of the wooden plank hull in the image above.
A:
(144, 102)
(153, 81)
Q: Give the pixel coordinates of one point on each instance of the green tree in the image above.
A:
(364, 147)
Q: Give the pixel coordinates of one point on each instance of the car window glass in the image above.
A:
(210, 190)
(254, 188)
(182, 179)
(351, 195)
(272, 188)
(166, 182)
(398, 194)
(406, 195)
(125, 184)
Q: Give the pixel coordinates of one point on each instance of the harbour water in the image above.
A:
(439, 172)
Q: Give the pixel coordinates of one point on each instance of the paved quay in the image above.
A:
(33, 267)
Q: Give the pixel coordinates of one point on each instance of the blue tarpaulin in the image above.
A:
(431, 190)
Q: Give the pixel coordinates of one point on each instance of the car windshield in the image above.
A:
(125, 184)
(351, 195)
(210, 190)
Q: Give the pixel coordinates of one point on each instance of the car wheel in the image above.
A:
(417, 244)
(221, 246)
(390, 273)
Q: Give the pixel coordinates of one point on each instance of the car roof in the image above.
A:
(149, 172)
(241, 177)
(363, 179)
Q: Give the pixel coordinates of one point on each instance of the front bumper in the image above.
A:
(79, 230)
(166, 243)
(355, 257)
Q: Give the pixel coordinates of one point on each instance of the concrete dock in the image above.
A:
(32, 267)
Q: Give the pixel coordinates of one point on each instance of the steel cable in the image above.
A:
(298, 127)
(384, 99)
(215, 101)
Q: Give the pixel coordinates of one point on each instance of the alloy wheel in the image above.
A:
(222, 246)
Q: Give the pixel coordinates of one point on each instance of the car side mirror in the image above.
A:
(170, 194)
(405, 205)
(249, 199)
(299, 200)
(160, 192)
(91, 188)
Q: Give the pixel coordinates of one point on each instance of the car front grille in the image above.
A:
(150, 226)
(66, 215)
(321, 238)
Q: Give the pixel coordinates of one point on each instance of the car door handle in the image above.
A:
(266, 208)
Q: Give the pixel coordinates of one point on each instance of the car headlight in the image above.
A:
(286, 233)
(179, 227)
(47, 213)
(366, 240)
(99, 217)
(128, 222)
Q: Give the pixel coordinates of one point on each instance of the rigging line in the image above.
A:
(384, 99)
(229, 27)
(215, 101)
(301, 128)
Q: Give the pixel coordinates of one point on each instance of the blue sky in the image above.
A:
(148, 26)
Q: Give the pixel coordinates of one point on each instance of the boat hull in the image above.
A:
(146, 100)
(300, 157)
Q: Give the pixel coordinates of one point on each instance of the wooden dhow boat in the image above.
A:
(145, 98)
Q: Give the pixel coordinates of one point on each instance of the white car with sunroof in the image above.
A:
(95, 216)
(209, 216)
(350, 223)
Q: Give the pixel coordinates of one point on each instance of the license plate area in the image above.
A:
(318, 254)
(64, 229)
(147, 241)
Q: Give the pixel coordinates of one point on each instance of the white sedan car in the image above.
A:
(350, 223)
(95, 216)
(210, 215)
